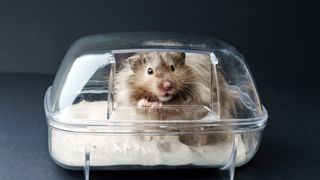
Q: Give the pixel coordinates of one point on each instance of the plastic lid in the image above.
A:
(85, 87)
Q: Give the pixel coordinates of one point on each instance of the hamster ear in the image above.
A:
(135, 62)
(180, 58)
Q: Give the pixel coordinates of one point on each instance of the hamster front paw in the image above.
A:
(156, 104)
(145, 103)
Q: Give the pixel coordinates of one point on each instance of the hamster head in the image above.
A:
(160, 76)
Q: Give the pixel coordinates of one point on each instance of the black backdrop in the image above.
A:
(278, 38)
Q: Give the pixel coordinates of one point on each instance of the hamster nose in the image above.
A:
(166, 85)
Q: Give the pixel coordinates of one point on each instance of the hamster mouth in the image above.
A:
(165, 97)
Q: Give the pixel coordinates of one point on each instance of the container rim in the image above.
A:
(149, 126)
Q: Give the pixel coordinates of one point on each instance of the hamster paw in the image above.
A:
(143, 103)
(156, 104)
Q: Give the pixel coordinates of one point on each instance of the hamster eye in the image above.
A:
(172, 68)
(150, 71)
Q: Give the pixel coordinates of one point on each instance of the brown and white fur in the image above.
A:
(154, 79)
(175, 79)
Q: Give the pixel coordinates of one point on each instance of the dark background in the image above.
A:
(280, 40)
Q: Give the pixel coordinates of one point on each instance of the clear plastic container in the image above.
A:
(153, 101)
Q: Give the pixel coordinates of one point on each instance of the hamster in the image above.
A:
(157, 79)
(164, 78)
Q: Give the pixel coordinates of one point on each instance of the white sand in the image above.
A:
(112, 150)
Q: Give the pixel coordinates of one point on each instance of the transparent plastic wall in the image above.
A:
(96, 131)
(89, 54)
